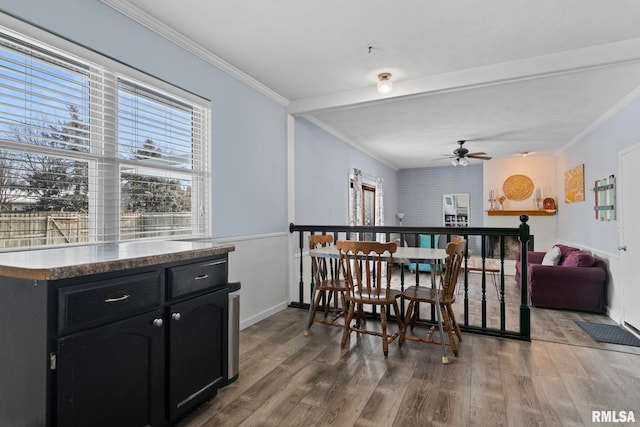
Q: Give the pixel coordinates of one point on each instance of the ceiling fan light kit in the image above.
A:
(461, 155)
(384, 83)
(460, 161)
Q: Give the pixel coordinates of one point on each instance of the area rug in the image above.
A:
(613, 334)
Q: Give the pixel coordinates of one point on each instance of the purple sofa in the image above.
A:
(576, 283)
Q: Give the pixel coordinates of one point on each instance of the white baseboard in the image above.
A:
(262, 315)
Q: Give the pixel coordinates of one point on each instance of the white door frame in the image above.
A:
(626, 239)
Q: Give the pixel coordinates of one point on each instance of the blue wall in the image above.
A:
(420, 193)
(322, 166)
(598, 151)
(249, 140)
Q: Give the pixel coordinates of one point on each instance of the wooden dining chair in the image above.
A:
(366, 268)
(417, 294)
(326, 286)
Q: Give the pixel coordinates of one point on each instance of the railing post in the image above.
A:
(484, 282)
(300, 302)
(525, 312)
(503, 308)
(486, 234)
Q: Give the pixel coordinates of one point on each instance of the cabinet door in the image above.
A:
(112, 375)
(198, 350)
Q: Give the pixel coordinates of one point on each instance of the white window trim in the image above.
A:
(99, 214)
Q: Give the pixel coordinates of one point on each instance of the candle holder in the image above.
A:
(492, 204)
(537, 197)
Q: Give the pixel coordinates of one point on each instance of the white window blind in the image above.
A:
(90, 154)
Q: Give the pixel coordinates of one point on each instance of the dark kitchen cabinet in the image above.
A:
(194, 376)
(112, 375)
(138, 347)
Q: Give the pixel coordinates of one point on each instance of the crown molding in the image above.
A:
(603, 118)
(146, 20)
(346, 140)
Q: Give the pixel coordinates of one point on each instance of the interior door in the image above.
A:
(630, 235)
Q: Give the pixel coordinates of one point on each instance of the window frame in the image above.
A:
(103, 146)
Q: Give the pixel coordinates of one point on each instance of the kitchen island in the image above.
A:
(128, 334)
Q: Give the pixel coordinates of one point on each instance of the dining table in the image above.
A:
(404, 255)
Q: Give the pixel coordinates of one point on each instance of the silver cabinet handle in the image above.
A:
(215, 263)
(175, 316)
(202, 276)
(158, 322)
(117, 299)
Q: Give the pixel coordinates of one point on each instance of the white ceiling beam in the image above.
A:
(609, 54)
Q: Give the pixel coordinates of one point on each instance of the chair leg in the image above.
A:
(327, 304)
(361, 316)
(345, 308)
(454, 322)
(446, 324)
(312, 310)
(416, 313)
(383, 325)
(347, 325)
(407, 319)
(396, 311)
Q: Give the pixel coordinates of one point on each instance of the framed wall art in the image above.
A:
(574, 184)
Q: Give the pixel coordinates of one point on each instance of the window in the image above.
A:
(91, 151)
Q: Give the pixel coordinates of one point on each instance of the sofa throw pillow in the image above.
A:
(425, 240)
(578, 259)
(565, 250)
(552, 257)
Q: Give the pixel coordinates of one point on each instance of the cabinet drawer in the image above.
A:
(196, 277)
(107, 300)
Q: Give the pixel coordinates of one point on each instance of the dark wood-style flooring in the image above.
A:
(557, 379)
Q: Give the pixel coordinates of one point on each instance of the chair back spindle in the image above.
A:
(417, 294)
(325, 286)
(321, 269)
(366, 269)
(453, 263)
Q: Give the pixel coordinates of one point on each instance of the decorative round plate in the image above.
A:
(517, 187)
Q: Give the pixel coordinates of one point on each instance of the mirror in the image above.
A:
(455, 210)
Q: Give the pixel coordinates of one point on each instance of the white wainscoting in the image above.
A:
(261, 264)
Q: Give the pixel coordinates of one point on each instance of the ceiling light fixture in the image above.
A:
(384, 83)
(462, 161)
(524, 153)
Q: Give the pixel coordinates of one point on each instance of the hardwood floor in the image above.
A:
(558, 379)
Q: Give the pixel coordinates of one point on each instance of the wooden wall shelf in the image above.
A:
(518, 212)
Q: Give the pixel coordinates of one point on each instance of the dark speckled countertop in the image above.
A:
(63, 263)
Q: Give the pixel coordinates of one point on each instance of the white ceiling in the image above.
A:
(506, 75)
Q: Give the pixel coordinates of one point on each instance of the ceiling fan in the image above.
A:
(461, 154)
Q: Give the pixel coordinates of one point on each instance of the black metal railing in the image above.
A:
(477, 240)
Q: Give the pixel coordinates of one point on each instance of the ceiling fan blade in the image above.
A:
(482, 153)
(477, 156)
